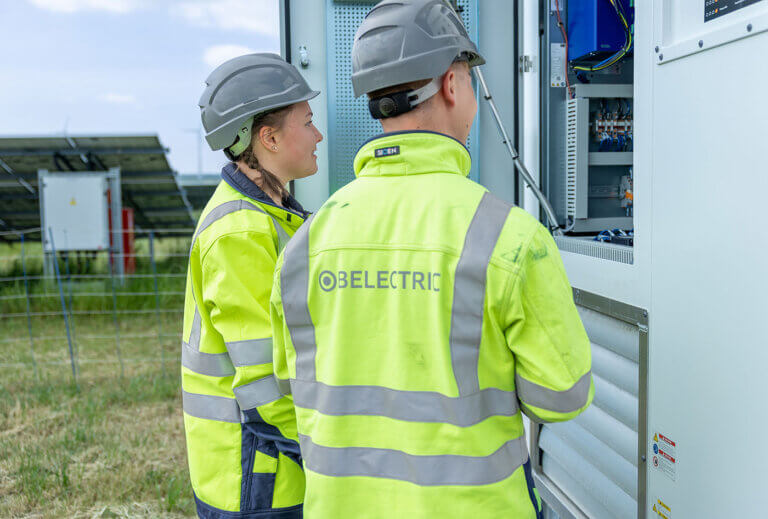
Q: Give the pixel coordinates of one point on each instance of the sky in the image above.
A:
(85, 67)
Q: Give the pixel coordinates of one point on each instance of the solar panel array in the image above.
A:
(149, 186)
(199, 187)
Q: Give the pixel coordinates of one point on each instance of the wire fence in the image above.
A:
(113, 308)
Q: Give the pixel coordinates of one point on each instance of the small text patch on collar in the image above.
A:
(387, 152)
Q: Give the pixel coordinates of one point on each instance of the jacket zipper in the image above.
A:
(249, 475)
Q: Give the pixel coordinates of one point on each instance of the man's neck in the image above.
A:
(407, 122)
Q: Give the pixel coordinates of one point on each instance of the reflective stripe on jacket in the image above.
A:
(240, 430)
(415, 316)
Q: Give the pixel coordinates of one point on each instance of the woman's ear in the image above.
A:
(267, 138)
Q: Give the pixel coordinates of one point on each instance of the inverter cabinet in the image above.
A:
(675, 319)
(696, 273)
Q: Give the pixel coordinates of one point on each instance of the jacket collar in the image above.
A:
(412, 153)
(244, 185)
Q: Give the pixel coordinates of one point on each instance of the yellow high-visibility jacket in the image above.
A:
(415, 317)
(242, 445)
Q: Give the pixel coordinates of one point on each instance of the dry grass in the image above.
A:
(112, 448)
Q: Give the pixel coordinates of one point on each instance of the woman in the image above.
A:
(242, 445)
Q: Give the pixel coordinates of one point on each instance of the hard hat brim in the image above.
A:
(219, 138)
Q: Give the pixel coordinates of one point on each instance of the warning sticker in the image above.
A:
(661, 509)
(664, 455)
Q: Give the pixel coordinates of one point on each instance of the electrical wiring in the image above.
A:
(627, 45)
(608, 236)
(628, 42)
(565, 37)
(571, 226)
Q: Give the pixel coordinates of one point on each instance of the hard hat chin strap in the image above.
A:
(398, 103)
(420, 95)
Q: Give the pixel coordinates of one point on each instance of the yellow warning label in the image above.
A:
(73, 202)
(661, 509)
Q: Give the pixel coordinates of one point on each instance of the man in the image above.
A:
(416, 315)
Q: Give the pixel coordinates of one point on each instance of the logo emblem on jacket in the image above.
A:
(387, 152)
(380, 279)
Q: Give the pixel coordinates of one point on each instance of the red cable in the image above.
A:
(565, 37)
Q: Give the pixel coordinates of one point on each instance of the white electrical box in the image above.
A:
(75, 211)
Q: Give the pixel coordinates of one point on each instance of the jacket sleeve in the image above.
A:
(553, 363)
(281, 336)
(237, 281)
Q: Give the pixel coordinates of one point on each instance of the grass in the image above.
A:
(87, 277)
(112, 446)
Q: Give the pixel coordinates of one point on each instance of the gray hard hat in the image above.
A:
(244, 87)
(401, 41)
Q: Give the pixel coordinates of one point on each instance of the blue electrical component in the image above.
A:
(594, 29)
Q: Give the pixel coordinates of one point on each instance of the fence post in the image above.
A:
(29, 317)
(114, 313)
(157, 299)
(63, 308)
(71, 317)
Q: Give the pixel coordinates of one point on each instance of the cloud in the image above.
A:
(71, 6)
(256, 16)
(259, 16)
(218, 54)
(118, 99)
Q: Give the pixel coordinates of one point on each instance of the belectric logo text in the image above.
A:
(380, 279)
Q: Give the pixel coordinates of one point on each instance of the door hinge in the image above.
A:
(526, 63)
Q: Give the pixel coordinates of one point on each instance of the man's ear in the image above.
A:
(449, 87)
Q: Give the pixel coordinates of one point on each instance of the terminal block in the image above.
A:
(598, 158)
